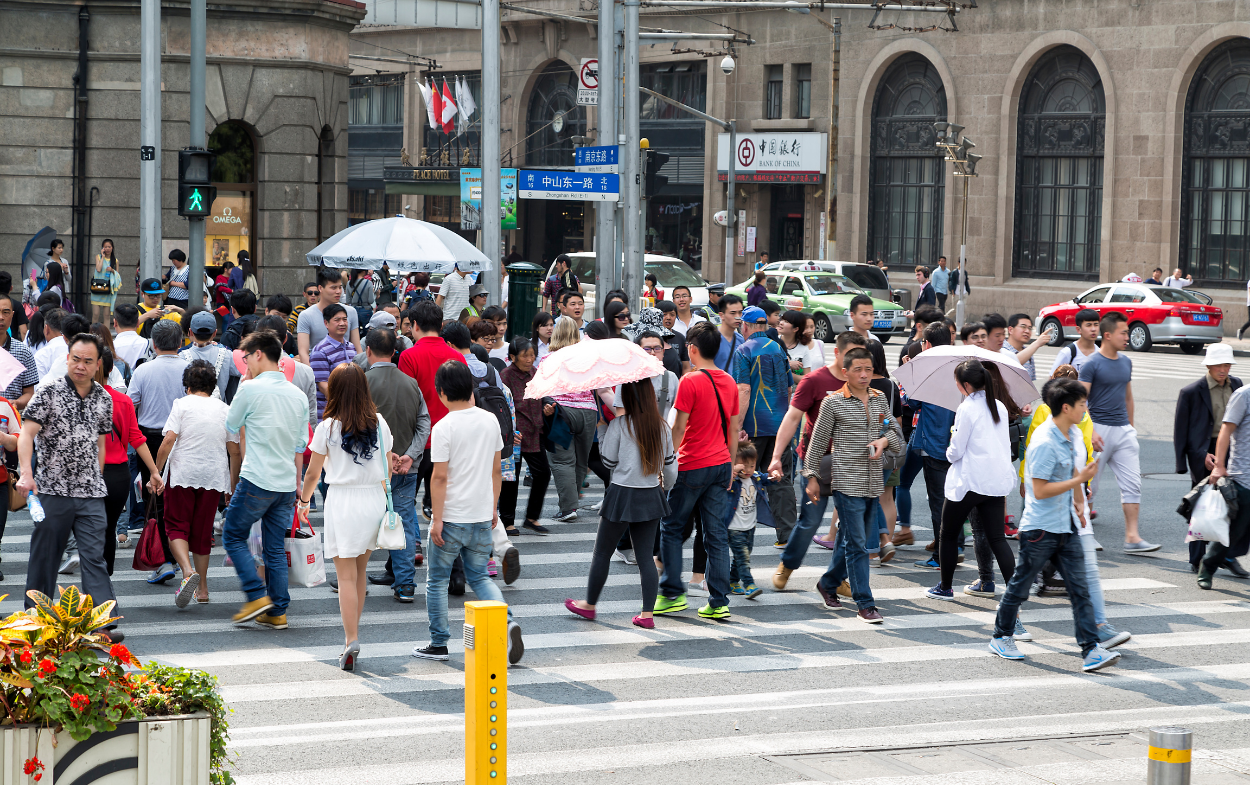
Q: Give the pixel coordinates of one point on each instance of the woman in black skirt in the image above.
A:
(638, 449)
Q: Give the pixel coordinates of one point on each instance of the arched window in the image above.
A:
(1059, 142)
(907, 183)
(1215, 196)
(230, 228)
(554, 118)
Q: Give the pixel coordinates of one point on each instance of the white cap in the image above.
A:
(1219, 354)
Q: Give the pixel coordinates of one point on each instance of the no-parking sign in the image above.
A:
(588, 83)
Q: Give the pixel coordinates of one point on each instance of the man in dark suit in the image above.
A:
(1199, 413)
(927, 295)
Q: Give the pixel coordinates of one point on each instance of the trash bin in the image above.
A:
(524, 284)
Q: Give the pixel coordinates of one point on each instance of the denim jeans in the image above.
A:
(902, 498)
(856, 523)
(883, 527)
(1036, 548)
(707, 489)
(275, 510)
(404, 498)
(1093, 580)
(472, 541)
(811, 517)
(740, 545)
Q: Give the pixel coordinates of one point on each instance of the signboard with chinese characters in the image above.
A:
(535, 184)
(598, 160)
(774, 157)
(750, 239)
(588, 82)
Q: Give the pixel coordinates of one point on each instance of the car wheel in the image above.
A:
(824, 330)
(1191, 347)
(1139, 337)
(1052, 324)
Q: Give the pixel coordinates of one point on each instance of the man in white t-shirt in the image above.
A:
(453, 294)
(127, 343)
(1076, 354)
(465, 447)
(1178, 281)
(860, 314)
(685, 318)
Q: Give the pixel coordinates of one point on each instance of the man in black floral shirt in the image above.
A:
(71, 417)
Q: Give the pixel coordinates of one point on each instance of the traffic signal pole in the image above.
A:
(631, 173)
(150, 139)
(195, 231)
(606, 258)
(491, 186)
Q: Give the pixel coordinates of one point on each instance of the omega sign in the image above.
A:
(227, 217)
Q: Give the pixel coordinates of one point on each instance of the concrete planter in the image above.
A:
(155, 751)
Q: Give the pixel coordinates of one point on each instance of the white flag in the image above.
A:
(429, 107)
(467, 107)
(449, 107)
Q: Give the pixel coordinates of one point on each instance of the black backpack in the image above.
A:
(488, 396)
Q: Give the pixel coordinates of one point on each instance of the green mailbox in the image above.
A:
(524, 284)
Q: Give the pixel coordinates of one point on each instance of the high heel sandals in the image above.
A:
(351, 652)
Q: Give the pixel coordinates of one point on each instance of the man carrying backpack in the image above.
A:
(205, 347)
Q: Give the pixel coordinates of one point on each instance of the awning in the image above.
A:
(425, 189)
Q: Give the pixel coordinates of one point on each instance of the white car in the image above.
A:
(669, 272)
(868, 277)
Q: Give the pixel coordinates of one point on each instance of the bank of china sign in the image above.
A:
(774, 157)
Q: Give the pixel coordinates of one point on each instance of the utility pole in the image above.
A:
(489, 220)
(731, 217)
(631, 180)
(195, 233)
(831, 179)
(150, 139)
(606, 258)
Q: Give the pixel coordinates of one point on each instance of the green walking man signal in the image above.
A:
(197, 201)
(195, 175)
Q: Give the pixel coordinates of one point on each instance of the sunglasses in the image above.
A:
(311, 293)
(622, 316)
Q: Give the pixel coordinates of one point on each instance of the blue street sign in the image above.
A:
(598, 160)
(568, 185)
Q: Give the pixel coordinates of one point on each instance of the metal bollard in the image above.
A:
(1170, 752)
(485, 692)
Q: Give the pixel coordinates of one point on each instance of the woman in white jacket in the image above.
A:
(980, 476)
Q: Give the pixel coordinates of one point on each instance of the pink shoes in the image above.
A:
(646, 624)
(585, 614)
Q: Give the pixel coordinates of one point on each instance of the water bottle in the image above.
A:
(36, 509)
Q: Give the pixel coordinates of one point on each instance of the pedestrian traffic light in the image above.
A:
(195, 173)
(654, 181)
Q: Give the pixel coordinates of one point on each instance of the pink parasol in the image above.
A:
(10, 368)
(592, 365)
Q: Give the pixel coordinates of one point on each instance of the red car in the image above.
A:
(1156, 314)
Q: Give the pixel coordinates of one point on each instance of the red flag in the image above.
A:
(449, 109)
(436, 102)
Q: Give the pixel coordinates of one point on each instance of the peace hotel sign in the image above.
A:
(774, 157)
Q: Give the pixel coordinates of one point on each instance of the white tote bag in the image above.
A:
(1209, 521)
(304, 561)
(391, 532)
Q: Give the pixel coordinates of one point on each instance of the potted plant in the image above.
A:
(76, 708)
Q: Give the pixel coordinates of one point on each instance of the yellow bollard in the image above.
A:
(485, 693)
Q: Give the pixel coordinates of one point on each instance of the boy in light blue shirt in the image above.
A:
(1048, 527)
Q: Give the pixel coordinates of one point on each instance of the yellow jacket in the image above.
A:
(1040, 416)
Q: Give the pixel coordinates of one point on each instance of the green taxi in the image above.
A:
(827, 297)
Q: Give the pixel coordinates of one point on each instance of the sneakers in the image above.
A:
(251, 610)
(781, 577)
(159, 575)
(620, 554)
(533, 528)
(832, 603)
(1020, 633)
(511, 566)
(70, 565)
(869, 616)
(405, 593)
(930, 563)
(698, 589)
(708, 612)
(779, 545)
(272, 622)
(735, 588)
(1053, 588)
(903, 536)
(492, 569)
(980, 589)
(887, 552)
(516, 646)
(1099, 658)
(1010, 531)
(1005, 648)
(665, 605)
(564, 517)
(751, 590)
(939, 593)
(186, 590)
(1109, 637)
(431, 652)
(1138, 548)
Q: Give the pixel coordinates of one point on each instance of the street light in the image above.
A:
(959, 152)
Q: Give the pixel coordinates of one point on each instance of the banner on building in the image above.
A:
(471, 199)
(750, 239)
(774, 157)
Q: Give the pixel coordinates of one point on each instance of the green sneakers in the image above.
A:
(708, 612)
(665, 605)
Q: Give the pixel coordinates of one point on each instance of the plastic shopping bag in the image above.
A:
(1210, 519)
(303, 557)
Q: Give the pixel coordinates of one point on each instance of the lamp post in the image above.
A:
(958, 152)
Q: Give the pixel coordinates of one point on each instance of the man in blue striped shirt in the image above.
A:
(333, 351)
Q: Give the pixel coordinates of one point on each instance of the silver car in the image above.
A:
(868, 277)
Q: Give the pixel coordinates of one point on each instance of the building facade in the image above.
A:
(276, 114)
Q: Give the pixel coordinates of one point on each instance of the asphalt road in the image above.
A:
(742, 701)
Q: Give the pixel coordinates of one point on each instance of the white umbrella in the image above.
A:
(930, 377)
(406, 245)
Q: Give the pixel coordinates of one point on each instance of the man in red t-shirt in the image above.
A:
(805, 404)
(707, 403)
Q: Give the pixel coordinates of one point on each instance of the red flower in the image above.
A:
(46, 667)
(121, 654)
(34, 766)
(79, 702)
(26, 657)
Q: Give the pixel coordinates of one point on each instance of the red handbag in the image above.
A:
(149, 552)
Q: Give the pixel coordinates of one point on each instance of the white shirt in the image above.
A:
(48, 354)
(817, 349)
(681, 327)
(744, 513)
(1077, 358)
(804, 355)
(130, 346)
(455, 293)
(980, 451)
(664, 402)
(199, 458)
(468, 441)
(60, 367)
(343, 469)
(1177, 283)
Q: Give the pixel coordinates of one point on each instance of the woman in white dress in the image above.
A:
(353, 445)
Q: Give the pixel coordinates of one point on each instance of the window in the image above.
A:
(685, 82)
(366, 204)
(1215, 195)
(793, 285)
(1095, 297)
(1061, 126)
(553, 104)
(229, 229)
(906, 171)
(803, 90)
(1126, 294)
(376, 100)
(772, 92)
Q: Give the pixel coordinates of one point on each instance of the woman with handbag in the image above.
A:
(980, 475)
(638, 449)
(579, 413)
(529, 421)
(353, 445)
(117, 480)
(105, 284)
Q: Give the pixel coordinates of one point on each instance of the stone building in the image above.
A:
(276, 113)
